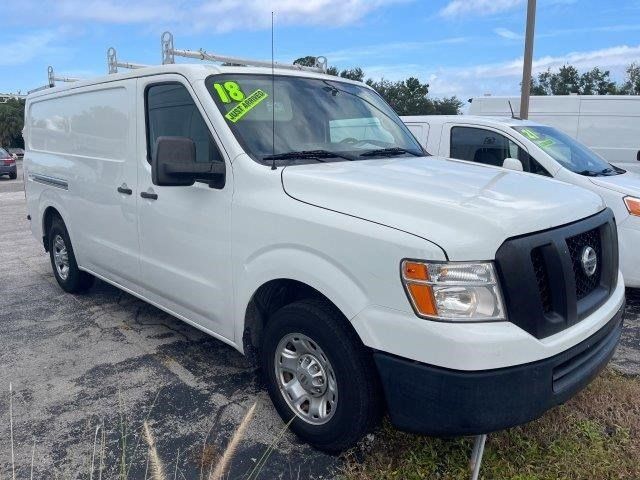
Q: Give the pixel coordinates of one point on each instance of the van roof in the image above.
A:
(192, 71)
(468, 119)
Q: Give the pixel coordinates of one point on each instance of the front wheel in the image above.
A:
(320, 376)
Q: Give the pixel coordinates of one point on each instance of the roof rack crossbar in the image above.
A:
(169, 53)
(114, 64)
(52, 81)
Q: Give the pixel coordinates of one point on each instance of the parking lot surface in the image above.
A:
(108, 359)
(105, 357)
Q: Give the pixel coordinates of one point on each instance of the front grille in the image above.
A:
(542, 279)
(585, 284)
(544, 283)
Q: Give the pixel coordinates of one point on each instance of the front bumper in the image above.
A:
(442, 402)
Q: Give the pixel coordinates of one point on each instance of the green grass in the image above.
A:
(595, 436)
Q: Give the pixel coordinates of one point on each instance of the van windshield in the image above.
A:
(314, 119)
(570, 153)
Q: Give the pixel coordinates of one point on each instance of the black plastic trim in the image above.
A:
(437, 401)
(520, 290)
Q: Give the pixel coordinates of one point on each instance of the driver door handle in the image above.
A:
(149, 195)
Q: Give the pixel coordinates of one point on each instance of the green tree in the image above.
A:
(568, 80)
(353, 74)
(597, 82)
(631, 86)
(308, 61)
(11, 123)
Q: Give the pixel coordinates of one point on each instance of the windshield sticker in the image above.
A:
(245, 106)
(545, 143)
(530, 134)
(229, 91)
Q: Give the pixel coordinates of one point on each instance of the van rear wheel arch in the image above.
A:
(48, 217)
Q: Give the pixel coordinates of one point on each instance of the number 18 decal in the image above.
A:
(229, 91)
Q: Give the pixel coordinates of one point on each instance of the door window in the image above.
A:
(172, 112)
(490, 148)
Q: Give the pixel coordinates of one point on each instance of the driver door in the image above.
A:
(184, 232)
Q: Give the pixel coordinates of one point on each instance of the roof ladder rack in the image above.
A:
(169, 53)
(112, 61)
(52, 80)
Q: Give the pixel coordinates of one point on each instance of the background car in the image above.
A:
(8, 164)
(17, 153)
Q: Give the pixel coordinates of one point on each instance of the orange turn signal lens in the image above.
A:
(633, 205)
(422, 297)
(415, 271)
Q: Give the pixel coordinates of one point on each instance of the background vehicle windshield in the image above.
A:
(311, 115)
(570, 153)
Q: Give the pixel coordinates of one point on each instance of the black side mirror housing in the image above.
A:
(173, 164)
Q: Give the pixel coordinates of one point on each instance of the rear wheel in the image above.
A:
(63, 260)
(13, 176)
(320, 375)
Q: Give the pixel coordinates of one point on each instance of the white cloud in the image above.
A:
(355, 54)
(458, 8)
(506, 33)
(25, 48)
(504, 78)
(213, 15)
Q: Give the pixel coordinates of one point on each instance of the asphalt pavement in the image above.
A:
(78, 362)
(107, 360)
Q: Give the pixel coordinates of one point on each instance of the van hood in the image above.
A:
(626, 183)
(468, 210)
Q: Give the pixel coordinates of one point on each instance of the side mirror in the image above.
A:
(512, 164)
(173, 164)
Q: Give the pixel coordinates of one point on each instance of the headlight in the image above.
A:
(455, 292)
(633, 205)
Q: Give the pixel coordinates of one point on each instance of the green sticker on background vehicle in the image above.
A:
(545, 143)
(245, 106)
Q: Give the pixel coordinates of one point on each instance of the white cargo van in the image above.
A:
(360, 275)
(542, 150)
(607, 124)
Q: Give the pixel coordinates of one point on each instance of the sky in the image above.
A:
(459, 47)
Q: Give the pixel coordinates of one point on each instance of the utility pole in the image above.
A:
(528, 59)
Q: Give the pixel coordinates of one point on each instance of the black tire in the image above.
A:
(75, 280)
(13, 176)
(359, 396)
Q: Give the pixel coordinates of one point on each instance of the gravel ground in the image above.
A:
(106, 358)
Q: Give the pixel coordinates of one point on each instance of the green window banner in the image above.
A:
(245, 106)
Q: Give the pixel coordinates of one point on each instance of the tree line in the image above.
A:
(11, 123)
(406, 97)
(568, 80)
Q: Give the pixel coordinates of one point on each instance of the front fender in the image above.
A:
(295, 262)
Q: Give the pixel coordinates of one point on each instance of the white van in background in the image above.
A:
(543, 150)
(607, 124)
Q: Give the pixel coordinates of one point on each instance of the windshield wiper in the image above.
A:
(589, 173)
(389, 152)
(306, 154)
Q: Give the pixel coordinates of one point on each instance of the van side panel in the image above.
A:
(611, 127)
(85, 138)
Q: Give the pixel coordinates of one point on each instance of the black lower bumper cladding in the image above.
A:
(441, 402)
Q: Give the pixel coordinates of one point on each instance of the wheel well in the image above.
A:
(268, 299)
(49, 214)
